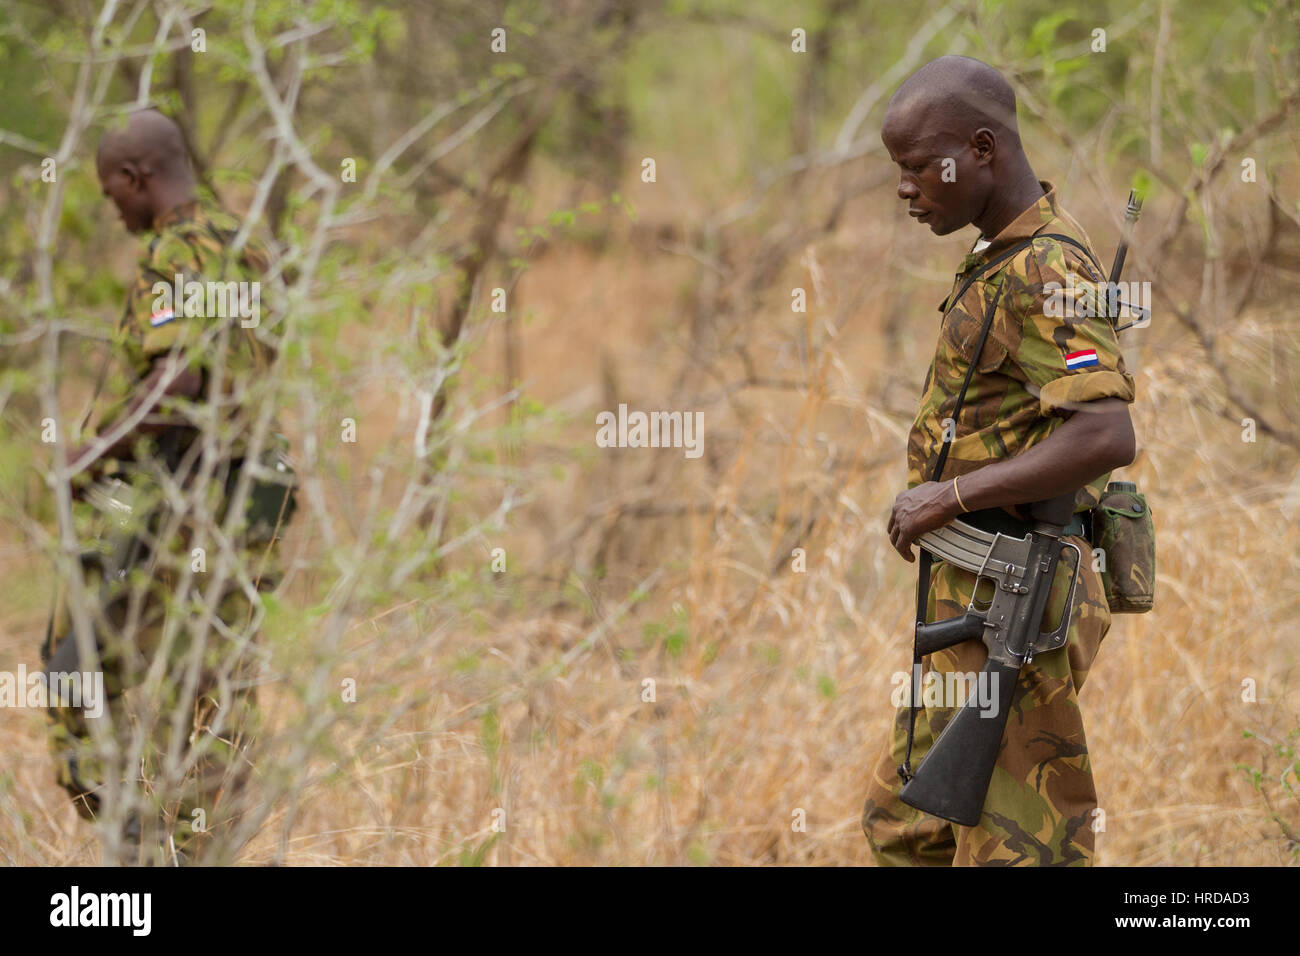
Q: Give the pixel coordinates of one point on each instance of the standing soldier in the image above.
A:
(170, 453)
(1045, 413)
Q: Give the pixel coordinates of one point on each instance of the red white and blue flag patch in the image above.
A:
(1081, 359)
(161, 318)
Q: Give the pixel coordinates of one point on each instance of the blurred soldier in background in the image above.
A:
(175, 576)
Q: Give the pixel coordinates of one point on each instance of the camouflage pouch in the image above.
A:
(1123, 530)
(272, 497)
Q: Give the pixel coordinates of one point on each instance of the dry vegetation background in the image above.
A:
(523, 691)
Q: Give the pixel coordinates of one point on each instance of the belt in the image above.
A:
(997, 521)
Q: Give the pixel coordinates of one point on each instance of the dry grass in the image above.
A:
(771, 687)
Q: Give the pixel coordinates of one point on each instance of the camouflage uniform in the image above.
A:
(191, 243)
(1039, 808)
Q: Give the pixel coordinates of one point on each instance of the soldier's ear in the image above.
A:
(984, 143)
(134, 175)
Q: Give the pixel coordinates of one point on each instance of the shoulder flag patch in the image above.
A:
(161, 318)
(1081, 359)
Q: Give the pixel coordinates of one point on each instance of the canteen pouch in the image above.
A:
(273, 495)
(1123, 530)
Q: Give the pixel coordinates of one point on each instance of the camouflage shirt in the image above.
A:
(1022, 382)
(190, 295)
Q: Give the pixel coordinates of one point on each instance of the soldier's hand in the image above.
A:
(76, 453)
(82, 481)
(72, 455)
(918, 510)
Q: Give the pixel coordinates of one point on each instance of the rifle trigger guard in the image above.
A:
(1050, 642)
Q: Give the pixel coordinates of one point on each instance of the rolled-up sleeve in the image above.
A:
(1067, 357)
(161, 324)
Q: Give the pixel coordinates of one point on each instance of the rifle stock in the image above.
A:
(953, 779)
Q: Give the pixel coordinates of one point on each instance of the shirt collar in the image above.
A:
(1022, 227)
(182, 213)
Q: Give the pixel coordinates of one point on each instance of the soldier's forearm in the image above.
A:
(187, 383)
(1092, 442)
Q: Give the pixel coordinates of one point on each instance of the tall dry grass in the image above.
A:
(771, 686)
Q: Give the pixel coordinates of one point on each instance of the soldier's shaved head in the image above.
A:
(152, 142)
(958, 94)
(951, 128)
(144, 168)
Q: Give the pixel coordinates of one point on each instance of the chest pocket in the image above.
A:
(961, 329)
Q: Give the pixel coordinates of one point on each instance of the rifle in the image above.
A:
(117, 503)
(954, 778)
(1131, 213)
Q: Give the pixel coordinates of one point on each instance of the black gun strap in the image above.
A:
(923, 570)
(924, 561)
(1078, 245)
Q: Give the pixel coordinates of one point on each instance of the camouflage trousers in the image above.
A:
(1041, 801)
(182, 732)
